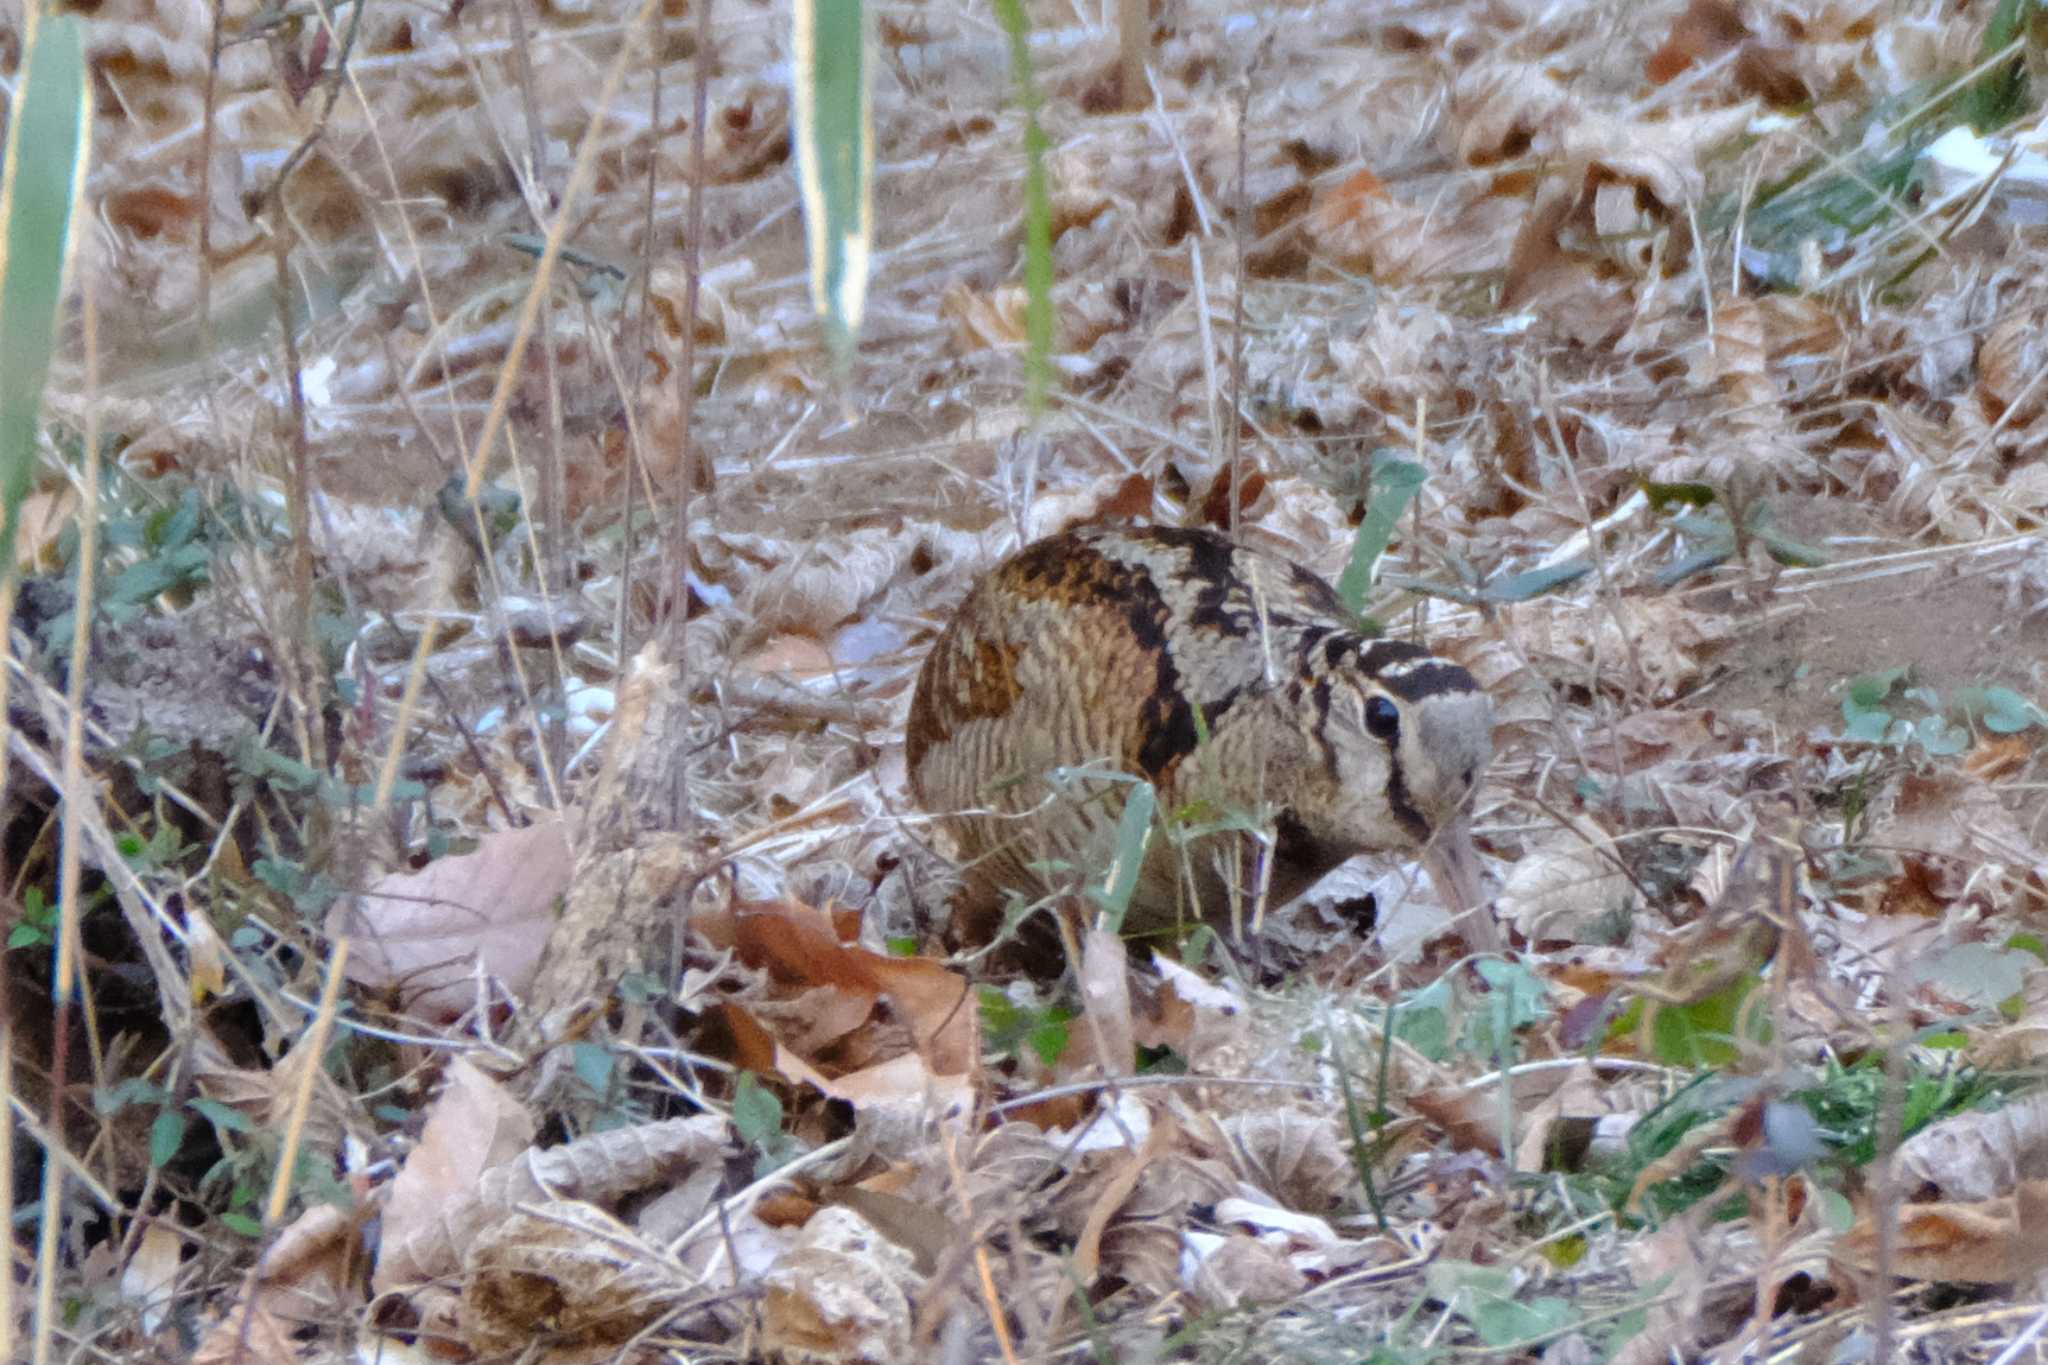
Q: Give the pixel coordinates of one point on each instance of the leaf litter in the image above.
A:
(700, 1083)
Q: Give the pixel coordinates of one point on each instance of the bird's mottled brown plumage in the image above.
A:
(1227, 677)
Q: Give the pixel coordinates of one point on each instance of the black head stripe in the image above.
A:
(1429, 678)
(1401, 803)
(1319, 697)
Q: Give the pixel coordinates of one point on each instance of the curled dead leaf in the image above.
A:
(843, 1294)
(568, 1271)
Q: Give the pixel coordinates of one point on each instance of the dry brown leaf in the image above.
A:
(985, 319)
(1980, 1154)
(815, 585)
(1213, 507)
(148, 1278)
(45, 516)
(1991, 1241)
(473, 1125)
(904, 1082)
(1683, 1262)
(1580, 1096)
(1538, 266)
(425, 933)
(310, 1273)
(1954, 826)
(268, 1095)
(1113, 496)
(1665, 736)
(1358, 225)
(569, 1272)
(1108, 1197)
(811, 1022)
(1298, 1158)
(1571, 287)
(594, 1169)
(843, 1294)
(798, 657)
(1703, 32)
(1469, 1118)
(1564, 885)
(1655, 647)
(205, 957)
(1664, 157)
(1227, 1272)
(1189, 1013)
(2017, 1045)
(1739, 359)
(2009, 368)
(801, 947)
(257, 1332)
(1499, 109)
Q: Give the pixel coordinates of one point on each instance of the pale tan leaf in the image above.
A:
(474, 1125)
(1565, 885)
(1226, 1272)
(427, 932)
(1980, 1153)
(1106, 1003)
(310, 1273)
(148, 1278)
(1297, 1158)
(593, 1169)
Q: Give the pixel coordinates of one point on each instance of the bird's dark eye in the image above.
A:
(1382, 719)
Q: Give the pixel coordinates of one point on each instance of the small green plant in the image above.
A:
(37, 927)
(1884, 708)
(2000, 710)
(757, 1118)
(239, 1181)
(1451, 1016)
(1716, 540)
(834, 135)
(1112, 890)
(602, 1075)
(1009, 1027)
(1707, 1031)
(1833, 1134)
(1037, 210)
(1486, 1297)
(2000, 95)
(1853, 200)
(168, 548)
(309, 893)
(164, 848)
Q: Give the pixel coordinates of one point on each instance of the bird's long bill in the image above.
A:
(1453, 865)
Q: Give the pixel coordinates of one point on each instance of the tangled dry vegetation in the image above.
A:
(537, 887)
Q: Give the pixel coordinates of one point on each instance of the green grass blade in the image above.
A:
(834, 132)
(1395, 482)
(2000, 95)
(1133, 833)
(1037, 213)
(39, 191)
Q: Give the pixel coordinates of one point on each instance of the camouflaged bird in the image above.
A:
(1229, 678)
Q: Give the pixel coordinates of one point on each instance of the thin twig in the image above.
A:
(683, 810)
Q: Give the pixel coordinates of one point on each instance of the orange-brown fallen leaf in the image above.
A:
(1991, 1241)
